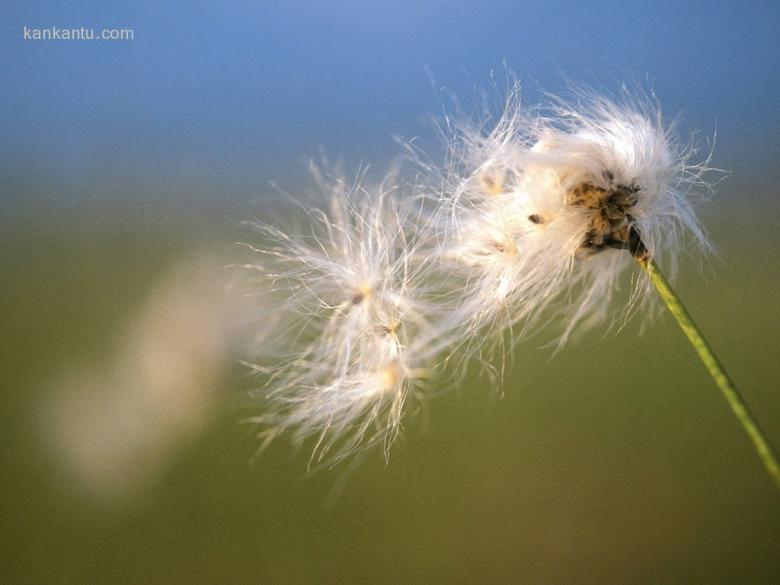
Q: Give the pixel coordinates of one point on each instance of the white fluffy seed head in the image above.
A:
(349, 329)
(533, 217)
(641, 179)
(537, 210)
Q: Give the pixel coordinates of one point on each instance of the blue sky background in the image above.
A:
(218, 98)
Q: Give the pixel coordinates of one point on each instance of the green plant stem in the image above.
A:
(714, 367)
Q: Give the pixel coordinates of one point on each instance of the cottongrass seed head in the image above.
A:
(350, 332)
(537, 209)
(533, 217)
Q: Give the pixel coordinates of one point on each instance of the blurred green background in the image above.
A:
(614, 461)
(125, 172)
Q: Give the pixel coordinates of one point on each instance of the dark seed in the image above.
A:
(534, 218)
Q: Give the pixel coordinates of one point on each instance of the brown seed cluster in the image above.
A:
(610, 209)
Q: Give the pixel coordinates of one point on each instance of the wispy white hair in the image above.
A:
(532, 217)
(611, 143)
(514, 223)
(350, 330)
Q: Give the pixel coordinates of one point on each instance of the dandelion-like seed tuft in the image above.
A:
(531, 219)
(352, 334)
(536, 212)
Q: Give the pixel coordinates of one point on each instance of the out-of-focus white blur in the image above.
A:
(113, 427)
